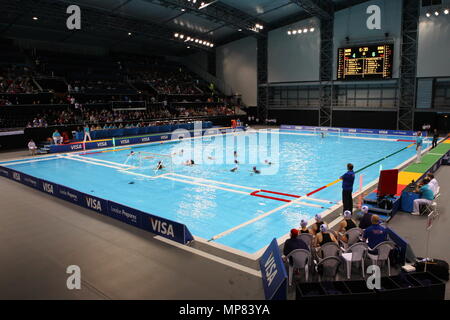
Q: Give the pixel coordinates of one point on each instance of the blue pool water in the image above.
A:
(208, 207)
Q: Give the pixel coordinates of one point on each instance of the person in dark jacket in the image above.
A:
(435, 138)
(293, 243)
(347, 188)
(366, 219)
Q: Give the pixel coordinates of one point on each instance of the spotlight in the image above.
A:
(428, 14)
(196, 40)
(181, 36)
(436, 13)
(176, 35)
(446, 11)
(311, 30)
(299, 31)
(239, 30)
(188, 38)
(211, 45)
(305, 30)
(183, 9)
(289, 32)
(35, 18)
(129, 33)
(188, 47)
(294, 32)
(260, 26)
(194, 1)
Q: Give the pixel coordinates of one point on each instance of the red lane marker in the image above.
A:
(281, 194)
(255, 193)
(317, 190)
(402, 140)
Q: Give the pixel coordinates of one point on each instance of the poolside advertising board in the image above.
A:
(166, 228)
(351, 130)
(273, 273)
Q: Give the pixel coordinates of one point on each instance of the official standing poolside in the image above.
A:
(419, 142)
(347, 188)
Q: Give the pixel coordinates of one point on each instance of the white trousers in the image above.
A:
(419, 154)
(418, 202)
(87, 135)
(58, 140)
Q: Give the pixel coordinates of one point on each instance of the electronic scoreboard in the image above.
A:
(365, 62)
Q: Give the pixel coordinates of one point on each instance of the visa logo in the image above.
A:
(102, 144)
(271, 269)
(164, 137)
(162, 227)
(76, 147)
(124, 141)
(47, 187)
(16, 176)
(145, 139)
(94, 204)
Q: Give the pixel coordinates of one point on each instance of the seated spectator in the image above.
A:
(366, 219)
(303, 227)
(316, 226)
(324, 236)
(57, 138)
(293, 243)
(32, 147)
(346, 225)
(433, 184)
(375, 234)
(426, 196)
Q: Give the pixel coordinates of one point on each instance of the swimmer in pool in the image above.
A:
(189, 163)
(268, 162)
(160, 165)
(256, 170)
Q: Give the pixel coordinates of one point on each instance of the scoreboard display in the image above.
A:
(365, 62)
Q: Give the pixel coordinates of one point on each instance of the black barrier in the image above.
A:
(309, 291)
(336, 290)
(169, 229)
(418, 286)
(432, 287)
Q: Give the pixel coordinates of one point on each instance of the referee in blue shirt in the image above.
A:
(347, 188)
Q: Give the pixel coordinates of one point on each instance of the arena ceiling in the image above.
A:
(151, 24)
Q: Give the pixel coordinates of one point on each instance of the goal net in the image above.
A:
(153, 163)
(326, 131)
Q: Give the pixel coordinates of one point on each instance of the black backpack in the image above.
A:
(437, 267)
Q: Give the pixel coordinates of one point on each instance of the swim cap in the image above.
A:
(294, 232)
(323, 228)
(318, 217)
(303, 223)
(347, 214)
(365, 209)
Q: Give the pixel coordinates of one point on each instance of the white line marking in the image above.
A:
(26, 161)
(214, 181)
(91, 162)
(99, 160)
(205, 185)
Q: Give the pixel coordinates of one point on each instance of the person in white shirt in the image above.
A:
(433, 184)
(32, 147)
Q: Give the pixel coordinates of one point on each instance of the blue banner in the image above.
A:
(169, 229)
(166, 228)
(273, 272)
(69, 194)
(351, 130)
